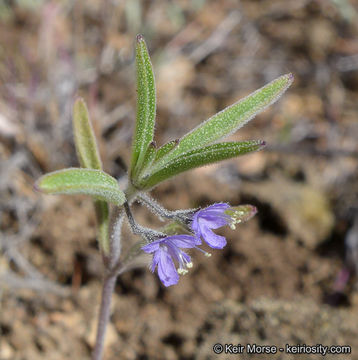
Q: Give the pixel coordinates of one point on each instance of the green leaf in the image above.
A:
(95, 183)
(165, 149)
(149, 157)
(88, 157)
(229, 120)
(146, 106)
(154, 154)
(85, 141)
(196, 158)
(102, 215)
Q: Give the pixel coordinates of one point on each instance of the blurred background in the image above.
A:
(287, 276)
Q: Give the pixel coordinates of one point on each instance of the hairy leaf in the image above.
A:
(102, 215)
(228, 120)
(148, 157)
(88, 156)
(166, 148)
(95, 183)
(146, 106)
(196, 158)
(85, 141)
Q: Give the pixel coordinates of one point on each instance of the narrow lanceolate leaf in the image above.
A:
(102, 215)
(196, 158)
(95, 183)
(85, 141)
(146, 105)
(88, 157)
(166, 148)
(230, 119)
(148, 157)
(152, 155)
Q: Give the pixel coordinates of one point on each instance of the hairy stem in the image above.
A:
(155, 207)
(148, 234)
(104, 314)
(115, 227)
(178, 215)
(134, 226)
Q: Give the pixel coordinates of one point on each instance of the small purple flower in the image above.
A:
(212, 217)
(167, 250)
(216, 216)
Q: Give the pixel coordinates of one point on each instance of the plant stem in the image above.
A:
(137, 229)
(104, 314)
(115, 226)
(162, 212)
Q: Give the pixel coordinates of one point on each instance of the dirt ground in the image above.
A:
(288, 276)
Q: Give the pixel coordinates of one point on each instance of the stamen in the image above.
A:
(182, 271)
(207, 254)
(183, 265)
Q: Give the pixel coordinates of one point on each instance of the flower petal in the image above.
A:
(166, 269)
(155, 261)
(214, 222)
(195, 224)
(218, 206)
(213, 217)
(213, 240)
(151, 247)
(183, 241)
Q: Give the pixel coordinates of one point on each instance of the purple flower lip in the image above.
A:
(212, 217)
(216, 216)
(167, 250)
